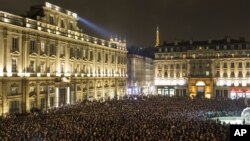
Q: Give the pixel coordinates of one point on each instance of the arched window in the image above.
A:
(178, 74)
(232, 74)
(225, 65)
(248, 74)
(166, 74)
(240, 74)
(99, 84)
(91, 84)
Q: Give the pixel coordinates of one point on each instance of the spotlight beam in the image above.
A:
(94, 27)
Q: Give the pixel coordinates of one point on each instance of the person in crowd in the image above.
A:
(160, 118)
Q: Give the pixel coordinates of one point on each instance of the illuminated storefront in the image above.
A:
(171, 90)
(236, 93)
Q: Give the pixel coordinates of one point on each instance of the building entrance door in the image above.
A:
(200, 86)
(200, 91)
(62, 96)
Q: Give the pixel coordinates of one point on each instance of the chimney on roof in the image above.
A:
(190, 42)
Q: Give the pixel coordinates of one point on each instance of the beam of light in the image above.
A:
(94, 27)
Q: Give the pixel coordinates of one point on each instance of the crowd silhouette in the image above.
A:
(141, 118)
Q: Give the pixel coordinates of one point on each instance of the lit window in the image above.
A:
(106, 58)
(78, 68)
(52, 49)
(14, 107)
(207, 73)
(62, 51)
(32, 89)
(32, 46)
(71, 26)
(14, 65)
(240, 64)
(51, 19)
(91, 56)
(72, 52)
(15, 44)
(52, 67)
(62, 23)
(84, 53)
(42, 66)
(62, 67)
(14, 89)
(99, 57)
(32, 66)
(42, 47)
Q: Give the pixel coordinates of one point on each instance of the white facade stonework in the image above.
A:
(46, 61)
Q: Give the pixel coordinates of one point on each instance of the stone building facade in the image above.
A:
(213, 68)
(46, 61)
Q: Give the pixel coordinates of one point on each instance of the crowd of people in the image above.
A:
(160, 118)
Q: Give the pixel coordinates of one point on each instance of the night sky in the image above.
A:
(137, 19)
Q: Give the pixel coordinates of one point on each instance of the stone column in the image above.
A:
(81, 85)
(95, 91)
(25, 91)
(57, 97)
(38, 95)
(47, 98)
(4, 99)
(57, 51)
(68, 96)
(25, 53)
(5, 36)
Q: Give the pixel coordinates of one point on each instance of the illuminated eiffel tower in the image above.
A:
(157, 42)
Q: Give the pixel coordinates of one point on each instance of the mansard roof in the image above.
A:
(208, 44)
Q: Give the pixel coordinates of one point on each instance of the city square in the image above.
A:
(64, 77)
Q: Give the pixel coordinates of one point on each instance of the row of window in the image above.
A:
(233, 65)
(218, 47)
(232, 74)
(171, 74)
(42, 68)
(218, 65)
(171, 66)
(14, 89)
(204, 55)
(206, 73)
(73, 52)
(62, 24)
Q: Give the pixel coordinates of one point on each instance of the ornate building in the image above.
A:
(46, 61)
(213, 68)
